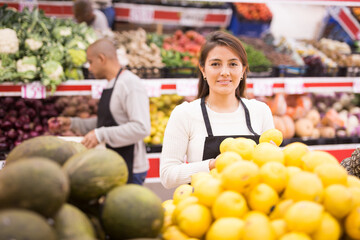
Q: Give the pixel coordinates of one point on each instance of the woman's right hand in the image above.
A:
(59, 124)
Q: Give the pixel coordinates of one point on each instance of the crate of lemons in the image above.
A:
(260, 192)
(160, 110)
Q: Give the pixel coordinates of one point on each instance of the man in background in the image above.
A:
(84, 12)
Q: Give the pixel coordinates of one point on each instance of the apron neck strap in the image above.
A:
(117, 75)
(247, 116)
(206, 117)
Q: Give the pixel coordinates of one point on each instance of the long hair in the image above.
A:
(215, 39)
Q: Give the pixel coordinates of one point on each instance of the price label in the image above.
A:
(97, 89)
(294, 86)
(263, 88)
(141, 14)
(153, 87)
(192, 17)
(34, 90)
(187, 87)
(2, 164)
(30, 4)
(356, 85)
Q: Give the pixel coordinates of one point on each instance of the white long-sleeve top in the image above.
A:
(185, 135)
(129, 105)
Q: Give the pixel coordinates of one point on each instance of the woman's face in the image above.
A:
(223, 71)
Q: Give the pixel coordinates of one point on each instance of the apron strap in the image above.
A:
(117, 76)
(247, 116)
(206, 117)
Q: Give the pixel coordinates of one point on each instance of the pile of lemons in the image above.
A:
(260, 192)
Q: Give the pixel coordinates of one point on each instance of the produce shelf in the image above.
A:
(144, 13)
(187, 86)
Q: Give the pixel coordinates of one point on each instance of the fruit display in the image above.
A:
(34, 47)
(83, 197)
(160, 110)
(265, 192)
(253, 11)
(314, 116)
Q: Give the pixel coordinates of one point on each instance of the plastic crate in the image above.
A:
(262, 72)
(247, 28)
(290, 71)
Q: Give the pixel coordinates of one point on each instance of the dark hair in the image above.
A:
(215, 39)
(83, 10)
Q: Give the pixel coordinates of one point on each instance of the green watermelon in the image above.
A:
(21, 224)
(50, 147)
(94, 172)
(73, 224)
(132, 211)
(37, 184)
(79, 147)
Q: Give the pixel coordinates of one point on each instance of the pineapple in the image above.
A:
(352, 164)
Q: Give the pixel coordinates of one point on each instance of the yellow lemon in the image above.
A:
(173, 232)
(242, 146)
(295, 236)
(224, 145)
(263, 198)
(338, 200)
(353, 181)
(275, 175)
(355, 193)
(194, 220)
(199, 176)
(281, 208)
(312, 159)
(329, 228)
(241, 176)
(291, 170)
(293, 153)
(331, 174)
(267, 152)
(279, 226)
(226, 229)
(304, 216)
(273, 135)
(207, 191)
(352, 223)
(304, 186)
(229, 204)
(168, 206)
(181, 192)
(225, 159)
(258, 226)
(181, 205)
(214, 173)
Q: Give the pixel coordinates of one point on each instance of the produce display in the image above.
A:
(314, 116)
(21, 119)
(34, 47)
(253, 11)
(264, 192)
(160, 110)
(83, 196)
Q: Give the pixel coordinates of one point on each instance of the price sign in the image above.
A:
(187, 87)
(356, 85)
(2, 164)
(34, 90)
(192, 17)
(141, 14)
(97, 89)
(294, 86)
(30, 4)
(153, 87)
(263, 88)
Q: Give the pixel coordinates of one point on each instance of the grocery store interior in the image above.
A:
(304, 60)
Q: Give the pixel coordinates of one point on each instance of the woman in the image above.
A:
(195, 130)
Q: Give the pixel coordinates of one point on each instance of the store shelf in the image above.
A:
(307, 2)
(144, 13)
(188, 86)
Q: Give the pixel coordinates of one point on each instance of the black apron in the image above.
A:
(212, 143)
(106, 119)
